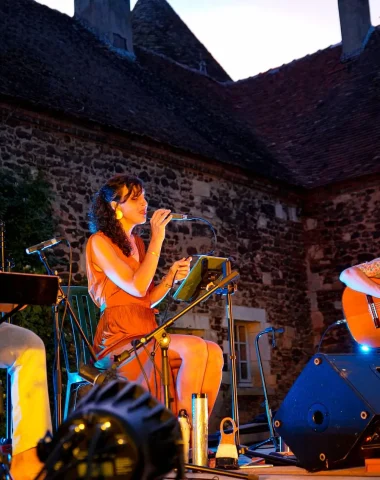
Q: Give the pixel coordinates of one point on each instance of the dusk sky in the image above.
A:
(251, 36)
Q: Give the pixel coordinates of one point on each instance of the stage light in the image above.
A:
(364, 348)
(117, 431)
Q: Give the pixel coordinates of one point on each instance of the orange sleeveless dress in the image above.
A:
(125, 318)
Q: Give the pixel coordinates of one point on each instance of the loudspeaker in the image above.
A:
(332, 410)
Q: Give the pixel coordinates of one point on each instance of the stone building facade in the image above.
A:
(239, 155)
(342, 229)
(258, 226)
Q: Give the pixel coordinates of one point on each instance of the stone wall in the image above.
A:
(257, 223)
(342, 228)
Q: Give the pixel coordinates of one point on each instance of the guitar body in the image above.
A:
(362, 314)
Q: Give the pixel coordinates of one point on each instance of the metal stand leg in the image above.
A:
(8, 407)
(57, 372)
(278, 459)
(272, 437)
(251, 452)
(163, 340)
(231, 340)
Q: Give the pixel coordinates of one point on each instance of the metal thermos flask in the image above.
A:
(200, 429)
(184, 423)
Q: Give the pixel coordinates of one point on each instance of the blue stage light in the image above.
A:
(364, 348)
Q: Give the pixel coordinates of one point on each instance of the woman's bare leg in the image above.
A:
(200, 365)
(190, 354)
(213, 373)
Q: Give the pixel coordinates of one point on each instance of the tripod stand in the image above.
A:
(273, 438)
(163, 338)
(206, 270)
(249, 452)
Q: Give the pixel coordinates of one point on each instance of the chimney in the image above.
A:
(355, 25)
(110, 19)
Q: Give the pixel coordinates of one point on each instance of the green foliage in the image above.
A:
(26, 209)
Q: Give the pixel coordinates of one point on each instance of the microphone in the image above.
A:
(273, 330)
(176, 216)
(41, 246)
(95, 376)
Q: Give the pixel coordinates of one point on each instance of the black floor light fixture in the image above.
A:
(117, 431)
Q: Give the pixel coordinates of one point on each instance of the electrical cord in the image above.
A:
(170, 300)
(68, 287)
(151, 356)
(140, 364)
(338, 322)
(200, 219)
(60, 330)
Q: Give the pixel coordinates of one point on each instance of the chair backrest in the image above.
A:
(74, 348)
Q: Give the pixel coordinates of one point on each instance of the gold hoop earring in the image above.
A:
(118, 214)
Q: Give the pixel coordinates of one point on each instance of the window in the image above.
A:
(248, 322)
(242, 353)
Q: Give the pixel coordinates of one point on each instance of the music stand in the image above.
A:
(22, 289)
(204, 273)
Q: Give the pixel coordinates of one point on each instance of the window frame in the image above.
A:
(246, 382)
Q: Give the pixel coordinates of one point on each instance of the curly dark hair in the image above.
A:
(102, 216)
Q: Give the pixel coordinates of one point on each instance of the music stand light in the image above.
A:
(205, 272)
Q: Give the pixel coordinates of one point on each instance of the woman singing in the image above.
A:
(120, 281)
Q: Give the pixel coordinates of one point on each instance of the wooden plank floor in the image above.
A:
(286, 473)
(269, 472)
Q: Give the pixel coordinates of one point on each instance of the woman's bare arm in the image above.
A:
(119, 272)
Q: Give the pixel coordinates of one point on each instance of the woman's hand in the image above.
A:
(179, 270)
(158, 223)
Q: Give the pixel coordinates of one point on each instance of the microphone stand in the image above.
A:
(232, 347)
(57, 372)
(251, 451)
(272, 438)
(163, 338)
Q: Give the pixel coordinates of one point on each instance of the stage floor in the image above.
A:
(286, 473)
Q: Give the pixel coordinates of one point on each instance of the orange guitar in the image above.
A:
(362, 314)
